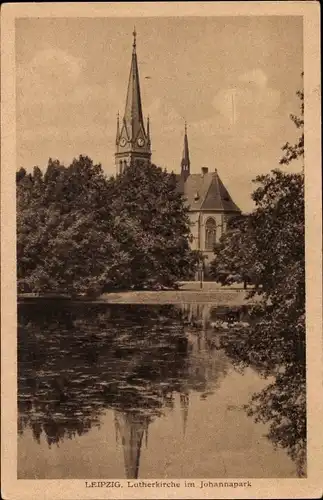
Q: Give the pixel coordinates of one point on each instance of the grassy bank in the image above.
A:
(227, 297)
(189, 292)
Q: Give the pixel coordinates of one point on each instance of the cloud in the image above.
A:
(54, 77)
(165, 115)
(250, 103)
(255, 76)
(55, 63)
(65, 133)
(54, 99)
(48, 72)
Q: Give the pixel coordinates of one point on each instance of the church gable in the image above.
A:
(195, 190)
(218, 198)
(140, 139)
(124, 135)
(207, 192)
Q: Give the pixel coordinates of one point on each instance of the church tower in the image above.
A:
(132, 140)
(185, 163)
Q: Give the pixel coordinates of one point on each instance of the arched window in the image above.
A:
(210, 234)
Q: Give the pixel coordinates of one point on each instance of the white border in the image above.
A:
(262, 488)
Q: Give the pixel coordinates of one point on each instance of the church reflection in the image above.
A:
(131, 427)
(75, 363)
(131, 430)
(80, 362)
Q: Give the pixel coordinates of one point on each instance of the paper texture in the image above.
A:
(226, 74)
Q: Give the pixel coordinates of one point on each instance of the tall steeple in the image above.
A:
(133, 142)
(185, 163)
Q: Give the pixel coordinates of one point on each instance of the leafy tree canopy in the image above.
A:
(153, 223)
(79, 232)
(267, 247)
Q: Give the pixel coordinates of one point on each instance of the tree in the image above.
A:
(152, 227)
(256, 244)
(79, 232)
(63, 222)
(293, 152)
(115, 357)
(234, 261)
(271, 242)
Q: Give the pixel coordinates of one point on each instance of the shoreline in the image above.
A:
(218, 296)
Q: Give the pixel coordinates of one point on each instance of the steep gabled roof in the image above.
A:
(206, 191)
(195, 189)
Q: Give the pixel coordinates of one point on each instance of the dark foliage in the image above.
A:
(267, 247)
(79, 232)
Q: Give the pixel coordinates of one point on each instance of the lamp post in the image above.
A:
(201, 272)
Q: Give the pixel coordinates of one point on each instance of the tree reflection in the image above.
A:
(282, 403)
(75, 362)
(276, 355)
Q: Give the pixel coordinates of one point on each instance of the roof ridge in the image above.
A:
(216, 176)
(225, 190)
(208, 189)
(207, 192)
(213, 194)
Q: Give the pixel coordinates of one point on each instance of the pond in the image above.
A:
(131, 391)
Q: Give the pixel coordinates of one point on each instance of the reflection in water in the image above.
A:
(76, 362)
(282, 403)
(131, 427)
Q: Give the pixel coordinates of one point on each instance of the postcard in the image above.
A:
(161, 250)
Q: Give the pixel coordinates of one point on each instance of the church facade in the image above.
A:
(210, 204)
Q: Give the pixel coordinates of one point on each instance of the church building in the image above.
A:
(210, 204)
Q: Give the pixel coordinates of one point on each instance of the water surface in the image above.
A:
(121, 391)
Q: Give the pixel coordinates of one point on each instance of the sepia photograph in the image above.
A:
(159, 270)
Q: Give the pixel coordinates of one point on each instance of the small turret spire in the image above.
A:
(118, 128)
(134, 39)
(185, 163)
(148, 129)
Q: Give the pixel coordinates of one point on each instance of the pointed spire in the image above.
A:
(132, 142)
(118, 129)
(133, 111)
(134, 44)
(186, 155)
(148, 129)
(185, 163)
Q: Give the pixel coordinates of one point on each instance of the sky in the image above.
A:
(233, 79)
